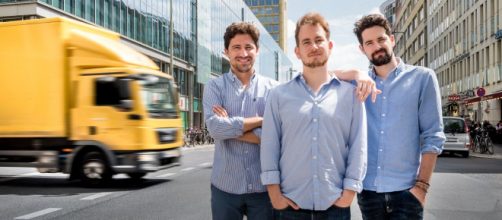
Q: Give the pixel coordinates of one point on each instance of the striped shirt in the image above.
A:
(236, 166)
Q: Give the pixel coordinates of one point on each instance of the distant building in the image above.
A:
(465, 50)
(409, 30)
(272, 14)
(388, 9)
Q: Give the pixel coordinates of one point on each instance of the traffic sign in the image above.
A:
(480, 92)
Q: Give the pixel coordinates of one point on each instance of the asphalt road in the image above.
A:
(462, 188)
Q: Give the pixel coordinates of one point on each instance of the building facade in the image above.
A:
(197, 37)
(466, 52)
(272, 14)
(388, 9)
(410, 31)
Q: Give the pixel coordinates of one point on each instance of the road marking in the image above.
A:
(39, 213)
(95, 196)
(187, 169)
(166, 175)
(208, 164)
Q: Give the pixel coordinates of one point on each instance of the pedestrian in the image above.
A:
(405, 130)
(313, 150)
(233, 108)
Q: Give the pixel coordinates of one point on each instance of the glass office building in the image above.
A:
(272, 14)
(198, 31)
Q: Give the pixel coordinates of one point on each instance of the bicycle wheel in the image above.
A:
(482, 147)
(475, 147)
(489, 146)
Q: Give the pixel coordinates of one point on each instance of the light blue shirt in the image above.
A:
(403, 123)
(236, 166)
(314, 146)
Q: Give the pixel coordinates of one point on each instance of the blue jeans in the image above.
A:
(333, 213)
(390, 206)
(228, 206)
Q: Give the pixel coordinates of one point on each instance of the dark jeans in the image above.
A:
(333, 213)
(390, 206)
(227, 206)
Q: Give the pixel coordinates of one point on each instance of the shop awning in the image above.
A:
(483, 98)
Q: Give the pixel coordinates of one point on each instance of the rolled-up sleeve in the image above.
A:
(220, 128)
(271, 142)
(430, 119)
(358, 149)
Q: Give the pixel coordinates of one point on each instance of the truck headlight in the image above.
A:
(147, 157)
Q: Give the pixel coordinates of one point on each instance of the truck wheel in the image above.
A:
(136, 176)
(94, 169)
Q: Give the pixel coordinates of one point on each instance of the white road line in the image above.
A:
(166, 175)
(208, 164)
(187, 169)
(39, 213)
(95, 196)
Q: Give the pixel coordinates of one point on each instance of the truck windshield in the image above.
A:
(158, 97)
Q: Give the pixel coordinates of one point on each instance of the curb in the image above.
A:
(493, 156)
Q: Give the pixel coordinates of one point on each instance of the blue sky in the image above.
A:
(341, 15)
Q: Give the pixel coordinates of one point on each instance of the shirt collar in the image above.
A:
(332, 79)
(235, 80)
(395, 72)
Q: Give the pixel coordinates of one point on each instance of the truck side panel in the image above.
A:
(32, 90)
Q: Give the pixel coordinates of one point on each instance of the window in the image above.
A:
(107, 93)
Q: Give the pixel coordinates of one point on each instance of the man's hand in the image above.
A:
(365, 87)
(419, 194)
(279, 201)
(220, 111)
(346, 199)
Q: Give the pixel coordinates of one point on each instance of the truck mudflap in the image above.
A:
(147, 161)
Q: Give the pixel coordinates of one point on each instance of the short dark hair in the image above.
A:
(312, 18)
(369, 21)
(241, 28)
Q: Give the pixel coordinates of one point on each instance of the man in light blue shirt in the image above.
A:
(313, 149)
(405, 131)
(233, 108)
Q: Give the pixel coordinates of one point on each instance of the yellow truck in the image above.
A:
(74, 99)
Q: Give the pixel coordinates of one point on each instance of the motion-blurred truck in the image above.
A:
(74, 99)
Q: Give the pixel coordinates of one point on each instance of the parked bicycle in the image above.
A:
(482, 142)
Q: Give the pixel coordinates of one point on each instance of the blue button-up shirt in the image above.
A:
(314, 145)
(236, 166)
(403, 123)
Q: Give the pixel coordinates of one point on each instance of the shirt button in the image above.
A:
(383, 115)
(316, 102)
(378, 167)
(384, 97)
(315, 120)
(381, 82)
(315, 176)
(380, 150)
(314, 157)
(314, 138)
(246, 152)
(381, 132)
(250, 186)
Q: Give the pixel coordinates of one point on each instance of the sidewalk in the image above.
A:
(497, 155)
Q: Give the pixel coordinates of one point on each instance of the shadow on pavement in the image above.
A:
(56, 187)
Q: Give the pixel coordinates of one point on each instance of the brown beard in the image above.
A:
(315, 63)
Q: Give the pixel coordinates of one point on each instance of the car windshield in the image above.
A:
(453, 125)
(158, 97)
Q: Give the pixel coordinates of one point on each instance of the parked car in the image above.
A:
(457, 136)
